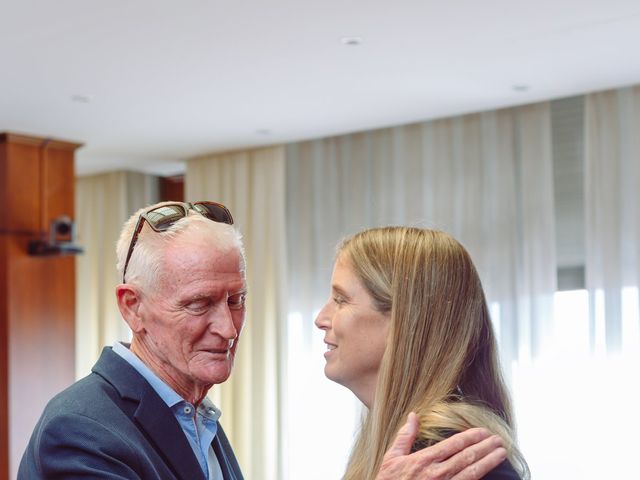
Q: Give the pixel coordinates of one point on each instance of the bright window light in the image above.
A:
(600, 325)
(630, 320)
(323, 416)
(576, 411)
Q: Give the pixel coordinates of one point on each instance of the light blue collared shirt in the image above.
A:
(200, 427)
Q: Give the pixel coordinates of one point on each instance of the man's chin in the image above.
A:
(216, 375)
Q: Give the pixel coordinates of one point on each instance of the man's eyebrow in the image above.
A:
(195, 298)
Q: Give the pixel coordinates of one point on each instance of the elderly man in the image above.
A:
(143, 412)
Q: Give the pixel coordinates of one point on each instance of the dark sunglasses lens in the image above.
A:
(163, 217)
(214, 211)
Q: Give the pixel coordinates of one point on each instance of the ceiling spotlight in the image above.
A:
(520, 88)
(82, 98)
(351, 41)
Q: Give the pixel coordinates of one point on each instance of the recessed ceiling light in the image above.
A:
(82, 98)
(351, 41)
(520, 88)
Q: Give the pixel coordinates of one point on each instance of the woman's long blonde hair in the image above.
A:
(441, 357)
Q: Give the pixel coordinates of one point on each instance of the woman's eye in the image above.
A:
(236, 301)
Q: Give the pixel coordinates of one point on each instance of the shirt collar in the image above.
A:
(166, 393)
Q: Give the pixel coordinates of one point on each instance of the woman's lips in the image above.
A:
(330, 348)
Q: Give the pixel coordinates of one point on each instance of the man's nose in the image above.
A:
(221, 322)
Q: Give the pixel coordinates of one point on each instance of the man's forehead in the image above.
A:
(203, 245)
(201, 282)
(201, 230)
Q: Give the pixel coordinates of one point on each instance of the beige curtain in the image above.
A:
(596, 366)
(103, 203)
(612, 212)
(251, 184)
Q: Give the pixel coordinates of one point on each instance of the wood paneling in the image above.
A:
(37, 294)
(172, 188)
(4, 354)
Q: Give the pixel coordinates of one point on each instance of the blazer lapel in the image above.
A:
(153, 415)
(226, 458)
(158, 421)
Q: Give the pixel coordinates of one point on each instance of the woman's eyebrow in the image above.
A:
(339, 290)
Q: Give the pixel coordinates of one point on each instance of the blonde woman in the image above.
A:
(408, 330)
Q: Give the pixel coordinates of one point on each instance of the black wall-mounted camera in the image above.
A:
(62, 237)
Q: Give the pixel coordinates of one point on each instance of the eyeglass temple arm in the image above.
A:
(134, 240)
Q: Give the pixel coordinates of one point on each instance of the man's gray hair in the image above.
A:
(145, 264)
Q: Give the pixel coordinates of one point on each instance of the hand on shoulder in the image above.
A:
(469, 455)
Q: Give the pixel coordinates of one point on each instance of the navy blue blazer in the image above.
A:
(113, 425)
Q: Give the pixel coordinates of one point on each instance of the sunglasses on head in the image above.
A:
(162, 217)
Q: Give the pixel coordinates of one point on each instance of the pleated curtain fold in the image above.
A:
(612, 218)
(252, 185)
(103, 203)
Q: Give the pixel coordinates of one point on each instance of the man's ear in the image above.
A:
(129, 299)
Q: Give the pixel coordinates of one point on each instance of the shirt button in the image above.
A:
(187, 410)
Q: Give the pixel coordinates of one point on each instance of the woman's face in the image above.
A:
(355, 334)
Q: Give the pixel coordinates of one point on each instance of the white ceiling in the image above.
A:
(166, 80)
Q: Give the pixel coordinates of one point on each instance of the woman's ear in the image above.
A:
(129, 299)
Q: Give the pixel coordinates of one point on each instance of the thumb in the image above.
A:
(405, 438)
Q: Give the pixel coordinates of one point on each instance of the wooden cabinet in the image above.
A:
(37, 293)
(172, 188)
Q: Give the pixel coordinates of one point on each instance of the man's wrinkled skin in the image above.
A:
(469, 455)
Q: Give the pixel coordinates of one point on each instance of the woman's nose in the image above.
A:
(323, 320)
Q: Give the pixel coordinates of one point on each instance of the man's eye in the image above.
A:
(237, 301)
(199, 305)
(338, 300)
